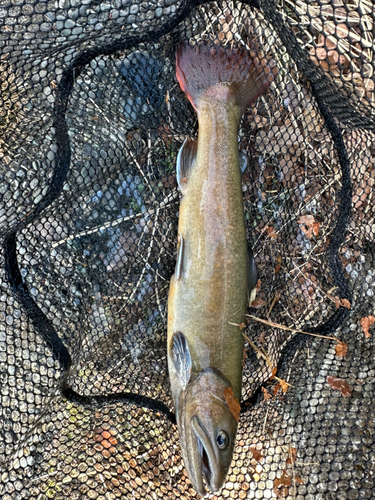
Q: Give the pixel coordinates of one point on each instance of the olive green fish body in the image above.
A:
(208, 293)
(211, 292)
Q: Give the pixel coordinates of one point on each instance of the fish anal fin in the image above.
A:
(181, 358)
(185, 161)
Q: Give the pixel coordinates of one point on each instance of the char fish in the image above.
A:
(215, 269)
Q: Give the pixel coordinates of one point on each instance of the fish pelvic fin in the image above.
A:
(185, 162)
(222, 73)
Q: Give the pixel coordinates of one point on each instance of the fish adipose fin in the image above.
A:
(185, 161)
(222, 73)
(181, 358)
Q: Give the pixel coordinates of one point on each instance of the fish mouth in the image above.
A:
(206, 458)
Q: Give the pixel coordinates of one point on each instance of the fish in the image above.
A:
(215, 269)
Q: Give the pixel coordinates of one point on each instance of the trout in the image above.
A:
(215, 270)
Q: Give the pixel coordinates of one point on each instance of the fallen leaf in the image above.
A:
(366, 323)
(273, 373)
(340, 385)
(257, 303)
(233, 403)
(284, 385)
(267, 395)
(284, 481)
(309, 226)
(271, 232)
(241, 326)
(262, 338)
(277, 268)
(292, 455)
(281, 492)
(341, 302)
(341, 348)
(257, 455)
(276, 389)
(345, 303)
(298, 479)
(258, 285)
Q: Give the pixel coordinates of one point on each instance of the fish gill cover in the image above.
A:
(92, 119)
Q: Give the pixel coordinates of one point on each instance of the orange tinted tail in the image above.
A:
(222, 73)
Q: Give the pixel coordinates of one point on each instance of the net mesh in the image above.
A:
(91, 119)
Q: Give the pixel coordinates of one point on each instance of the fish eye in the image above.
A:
(222, 440)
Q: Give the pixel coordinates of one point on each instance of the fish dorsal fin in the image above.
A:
(252, 274)
(181, 358)
(185, 161)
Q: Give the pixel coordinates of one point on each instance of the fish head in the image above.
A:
(207, 431)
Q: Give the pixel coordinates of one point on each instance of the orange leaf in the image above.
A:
(267, 395)
(366, 323)
(258, 285)
(341, 302)
(270, 232)
(233, 403)
(283, 482)
(341, 348)
(345, 303)
(277, 268)
(257, 455)
(274, 371)
(340, 385)
(309, 226)
(242, 325)
(257, 303)
(276, 389)
(284, 385)
(292, 456)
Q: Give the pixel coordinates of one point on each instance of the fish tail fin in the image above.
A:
(222, 73)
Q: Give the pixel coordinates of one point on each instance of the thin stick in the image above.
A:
(312, 282)
(140, 169)
(282, 327)
(265, 421)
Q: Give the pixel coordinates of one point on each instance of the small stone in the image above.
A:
(46, 27)
(69, 23)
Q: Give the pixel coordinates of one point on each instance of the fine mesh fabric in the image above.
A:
(92, 118)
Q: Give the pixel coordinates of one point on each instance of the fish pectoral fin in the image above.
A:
(252, 275)
(181, 358)
(185, 161)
